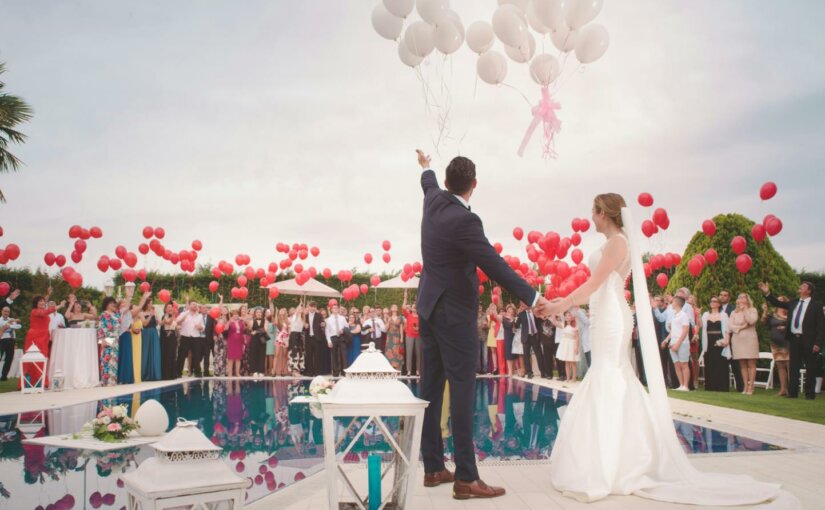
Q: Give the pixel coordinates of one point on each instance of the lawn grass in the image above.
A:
(762, 401)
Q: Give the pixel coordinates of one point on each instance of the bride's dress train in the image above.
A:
(616, 438)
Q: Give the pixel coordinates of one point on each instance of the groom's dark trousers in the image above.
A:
(453, 245)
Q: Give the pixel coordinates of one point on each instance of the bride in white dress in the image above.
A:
(616, 438)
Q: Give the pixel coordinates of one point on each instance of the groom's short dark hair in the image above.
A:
(461, 172)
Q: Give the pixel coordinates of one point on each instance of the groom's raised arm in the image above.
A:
(470, 237)
(428, 181)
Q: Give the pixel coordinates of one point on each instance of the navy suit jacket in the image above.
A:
(453, 244)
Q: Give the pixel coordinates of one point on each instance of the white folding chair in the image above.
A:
(767, 383)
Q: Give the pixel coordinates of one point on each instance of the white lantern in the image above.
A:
(371, 389)
(187, 472)
(33, 371)
(152, 418)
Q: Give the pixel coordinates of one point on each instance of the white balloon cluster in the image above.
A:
(567, 23)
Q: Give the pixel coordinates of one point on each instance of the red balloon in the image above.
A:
(242, 281)
(60, 260)
(96, 232)
(103, 264)
(143, 248)
(160, 233)
(115, 264)
(76, 257)
(711, 256)
(648, 269)
(148, 232)
(744, 263)
(197, 245)
(120, 251)
(758, 232)
(575, 224)
(274, 292)
(768, 191)
(575, 239)
(130, 259)
(417, 267)
(243, 292)
(577, 256)
(773, 226)
(12, 251)
(709, 228)
(649, 228)
(518, 233)
(129, 275)
(375, 280)
(668, 260)
(4, 289)
(49, 259)
(314, 251)
(145, 287)
(80, 246)
(302, 254)
(84, 234)
(695, 267)
(584, 225)
(645, 199)
(738, 245)
(364, 289)
(74, 231)
(498, 247)
(386, 258)
(75, 280)
(660, 218)
(386, 245)
(213, 286)
(661, 280)
(327, 272)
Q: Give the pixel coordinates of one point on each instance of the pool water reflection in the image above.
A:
(270, 442)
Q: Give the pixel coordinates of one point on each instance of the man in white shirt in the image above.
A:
(8, 327)
(56, 320)
(373, 328)
(336, 324)
(679, 342)
(191, 325)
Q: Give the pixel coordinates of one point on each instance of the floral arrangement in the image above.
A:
(112, 424)
(320, 386)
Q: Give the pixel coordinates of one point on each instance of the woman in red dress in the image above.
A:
(38, 333)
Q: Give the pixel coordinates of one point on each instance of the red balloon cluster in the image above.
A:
(580, 224)
(345, 275)
(242, 259)
(9, 253)
(72, 277)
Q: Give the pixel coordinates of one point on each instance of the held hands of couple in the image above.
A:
(545, 308)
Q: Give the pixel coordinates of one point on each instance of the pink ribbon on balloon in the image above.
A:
(545, 113)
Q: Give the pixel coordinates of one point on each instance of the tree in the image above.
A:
(768, 264)
(13, 111)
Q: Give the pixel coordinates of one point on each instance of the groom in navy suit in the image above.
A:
(453, 244)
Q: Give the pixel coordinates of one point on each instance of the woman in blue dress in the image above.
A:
(355, 333)
(150, 336)
(125, 365)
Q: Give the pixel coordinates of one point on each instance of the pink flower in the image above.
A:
(113, 427)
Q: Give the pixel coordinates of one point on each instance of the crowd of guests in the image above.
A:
(719, 340)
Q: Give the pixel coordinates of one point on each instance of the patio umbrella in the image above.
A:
(398, 283)
(311, 288)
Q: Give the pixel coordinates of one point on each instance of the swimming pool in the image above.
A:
(272, 443)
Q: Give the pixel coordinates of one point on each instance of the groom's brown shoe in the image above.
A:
(477, 489)
(437, 478)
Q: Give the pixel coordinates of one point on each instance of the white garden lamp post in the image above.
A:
(185, 472)
(33, 371)
(371, 389)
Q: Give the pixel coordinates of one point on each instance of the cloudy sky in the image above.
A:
(244, 124)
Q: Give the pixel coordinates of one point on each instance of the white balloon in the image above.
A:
(448, 38)
(457, 22)
(564, 39)
(582, 12)
(480, 36)
(535, 23)
(406, 57)
(523, 53)
(592, 43)
(387, 25)
(544, 69)
(521, 4)
(550, 13)
(399, 8)
(432, 10)
(152, 418)
(419, 38)
(492, 67)
(508, 26)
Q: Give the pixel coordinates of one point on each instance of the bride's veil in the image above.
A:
(687, 485)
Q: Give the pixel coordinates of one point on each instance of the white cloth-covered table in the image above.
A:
(74, 351)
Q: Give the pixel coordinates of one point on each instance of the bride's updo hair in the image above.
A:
(611, 205)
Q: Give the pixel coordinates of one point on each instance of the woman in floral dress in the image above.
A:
(395, 344)
(108, 332)
(219, 350)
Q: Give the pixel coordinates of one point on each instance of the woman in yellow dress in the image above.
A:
(137, 347)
